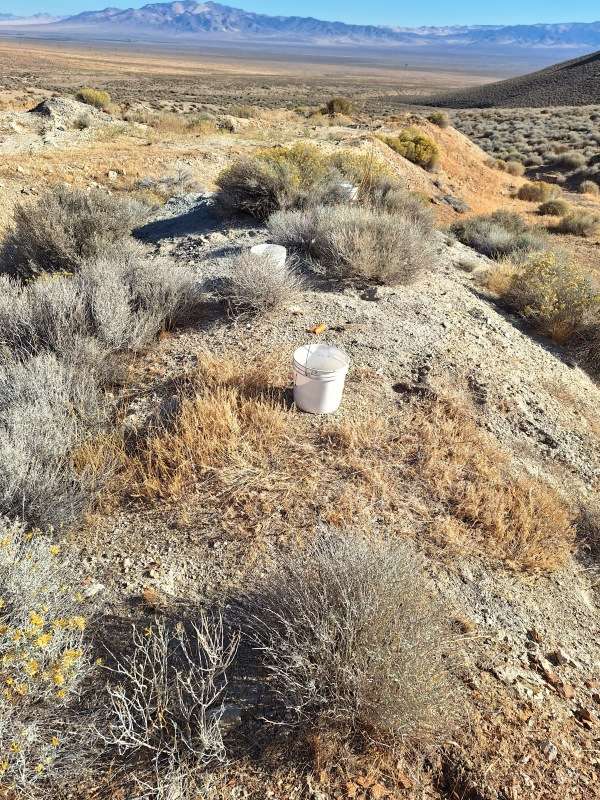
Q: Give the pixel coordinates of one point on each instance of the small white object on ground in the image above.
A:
(275, 253)
(319, 375)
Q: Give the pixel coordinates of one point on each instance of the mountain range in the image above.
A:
(188, 18)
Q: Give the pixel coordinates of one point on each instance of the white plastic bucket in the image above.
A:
(319, 375)
(275, 253)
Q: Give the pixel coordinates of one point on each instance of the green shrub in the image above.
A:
(538, 191)
(339, 105)
(439, 118)
(94, 97)
(498, 235)
(415, 146)
(555, 208)
(578, 223)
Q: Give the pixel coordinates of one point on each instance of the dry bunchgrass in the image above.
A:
(235, 441)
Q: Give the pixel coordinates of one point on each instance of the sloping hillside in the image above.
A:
(569, 83)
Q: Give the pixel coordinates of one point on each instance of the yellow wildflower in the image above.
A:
(44, 640)
(15, 747)
(58, 678)
(55, 741)
(36, 619)
(32, 667)
(99, 662)
(4, 765)
(17, 635)
(5, 541)
(77, 623)
(21, 689)
(54, 549)
(61, 693)
(148, 632)
(78, 597)
(70, 657)
(9, 681)
(2, 603)
(40, 768)
(3, 629)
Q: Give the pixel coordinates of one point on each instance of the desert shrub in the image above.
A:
(440, 118)
(586, 340)
(556, 208)
(165, 701)
(578, 223)
(259, 284)
(415, 146)
(94, 97)
(66, 226)
(48, 410)
(515, 168)
(121, 300)
(365, 170)
(537, 191)
(256, 187)
(394, 199)
(167, 186)
(352, 641)
(570, 160)
(44, 662)
(589, 187)
(554, 293)
(354, 243)
(308, 164)
(339, 105)
(497, 235)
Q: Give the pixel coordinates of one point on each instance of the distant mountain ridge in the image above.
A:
(192, 18)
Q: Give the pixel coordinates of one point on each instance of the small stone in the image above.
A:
(112, 175)
(94, 589)
(127, 564)
(567, 691)
(534, 635)
(550, 751)
(558, 657)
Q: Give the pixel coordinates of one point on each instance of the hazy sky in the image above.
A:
(377, 12)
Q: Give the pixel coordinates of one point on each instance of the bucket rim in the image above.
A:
(321, 373)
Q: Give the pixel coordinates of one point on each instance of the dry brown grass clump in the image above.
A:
(516, 519)
(234, 440)
(353, 642)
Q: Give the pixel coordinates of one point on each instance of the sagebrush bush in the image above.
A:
(259, 284)
(354, 243)
(64, 227)
(353, 642)
(121, 300)
(44, 662)
(589, 187)
(555, 208)
(166, 701)
(415, 146)
(570, 160)
(578, 223)
(48, 409)
(94, 97)
(538, 191)
(440, 118)
(497, 235)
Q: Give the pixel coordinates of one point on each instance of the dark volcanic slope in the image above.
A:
(571, 83)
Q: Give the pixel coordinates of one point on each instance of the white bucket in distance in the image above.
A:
(319, 375)
(274, 253)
